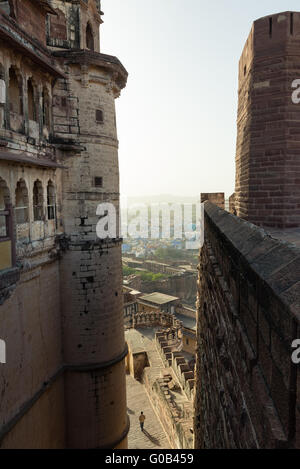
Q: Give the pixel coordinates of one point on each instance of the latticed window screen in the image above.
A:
(38, 201)
(3, 225)
(21, 207)
(46, 108)
(4, 201)
(32, 115)
(51, 201)
(15, 93)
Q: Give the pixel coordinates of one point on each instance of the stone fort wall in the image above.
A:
(61, 305)
(267, 151)
(30, 319)
(248, 389)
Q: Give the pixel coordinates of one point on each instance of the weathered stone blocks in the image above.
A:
(244, 374)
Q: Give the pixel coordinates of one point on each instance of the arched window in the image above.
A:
(4, 202)
(51, 201)
(4, 194)
(89, 37)
(31, 101)
(22, 203)
(15, 93)
(46, 108)
(2, 95)
(38, 201)
(2, 85)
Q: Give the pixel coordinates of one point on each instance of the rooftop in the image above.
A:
(189, 323)
(134, 292)
(158, 298)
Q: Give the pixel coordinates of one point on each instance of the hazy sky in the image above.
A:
(177, 116)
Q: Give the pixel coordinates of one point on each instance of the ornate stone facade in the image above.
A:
(61, 310)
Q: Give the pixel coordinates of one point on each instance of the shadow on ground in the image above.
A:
(153, 440)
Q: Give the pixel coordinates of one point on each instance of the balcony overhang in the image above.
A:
(45, 5)
(88, 57)
(24, 159)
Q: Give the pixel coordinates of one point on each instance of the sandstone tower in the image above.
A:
(247, 385)
(91, 273)
(65, 371)
(267, 159)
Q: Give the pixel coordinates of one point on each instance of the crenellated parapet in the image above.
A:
(167, 321)
(169, 348)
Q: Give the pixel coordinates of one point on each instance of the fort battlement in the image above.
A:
(169, 351)
(154, 318)
(247, 387)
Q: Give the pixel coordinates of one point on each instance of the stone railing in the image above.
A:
(175, 416)
(156, 319)
(184, 374)
(171, 356)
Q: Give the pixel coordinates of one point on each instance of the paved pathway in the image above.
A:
(153, 436)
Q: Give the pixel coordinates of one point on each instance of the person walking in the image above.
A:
(142, 419)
